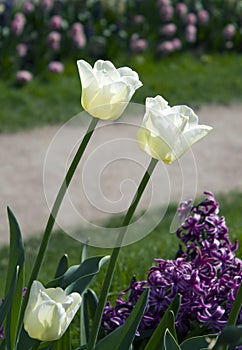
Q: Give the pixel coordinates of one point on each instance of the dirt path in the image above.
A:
(101, 188)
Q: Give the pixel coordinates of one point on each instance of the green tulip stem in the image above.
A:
(114, 257)
(55, 209)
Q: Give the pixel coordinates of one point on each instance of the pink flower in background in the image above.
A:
(191, 34)
(191, 18)
(21, 49)
(163, 2)
(53, 40)
(55, 22)
(28, 7)
(203, 17)
(139, 19)
(137, 44)
(24, 76)
(76, 28)
(55, 67)
(46, 4)
(17, 25)
(166, 12)
(229, 32)
(181, 9)
(177, 45)
(166, 47)
(78, 35)
(168, 29)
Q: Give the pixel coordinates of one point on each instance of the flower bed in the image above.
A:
(39, 36)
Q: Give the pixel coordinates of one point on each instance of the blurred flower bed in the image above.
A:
(40, 35)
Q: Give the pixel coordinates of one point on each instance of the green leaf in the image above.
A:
(87, 312)
(230, 335)
(199, 342)
(25, 342)
(92, 267)
(84, 322)
(84, 252)
(167, 322)
(170, 342)
(13, 318)
(92, 302)
(234, 313)
(123, 336)
(88, 269)
(6, 305)
(16, 249)
(16, 259)
(62, 266)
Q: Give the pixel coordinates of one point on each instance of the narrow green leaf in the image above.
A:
(123, 336)
(84, 322)
(170, 342)
(24, 341)
(199, 342)
(89, 267)
(62, 266)
(6, 305)
(157, 339)
(16, 259)
(170, 321)
(13, 318)
(234, 313)
(84, 252)
(16, 249)
(92, 302)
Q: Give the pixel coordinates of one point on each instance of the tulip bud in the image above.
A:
(49, 312)
(167, 132)
(106, 90)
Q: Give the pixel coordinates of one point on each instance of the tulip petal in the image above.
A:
(105, 72)
(195, 134)
(167, 132)
(72, 310)
(106, 90)
(86, 73)
(155, 146)
(49, 312)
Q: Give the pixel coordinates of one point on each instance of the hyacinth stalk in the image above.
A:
(115, 254)
(55, 209)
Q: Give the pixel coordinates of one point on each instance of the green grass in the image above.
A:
(134, 259)
(181, 79)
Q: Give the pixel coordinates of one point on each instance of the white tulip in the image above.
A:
(106, 90)
(167, 132)
(49, 312)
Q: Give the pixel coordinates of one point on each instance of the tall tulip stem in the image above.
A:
(115, 254)
(55, 209)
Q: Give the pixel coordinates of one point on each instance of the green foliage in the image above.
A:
(78, 277)
(123, 336)
(166, 323)
(170, 342)
(181, 79)
(199, 342)
(230, 335)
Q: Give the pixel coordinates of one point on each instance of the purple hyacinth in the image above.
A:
(207, 275)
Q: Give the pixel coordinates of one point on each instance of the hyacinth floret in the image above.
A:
(206, 274)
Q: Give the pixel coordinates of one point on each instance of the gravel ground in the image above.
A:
(33, 163)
